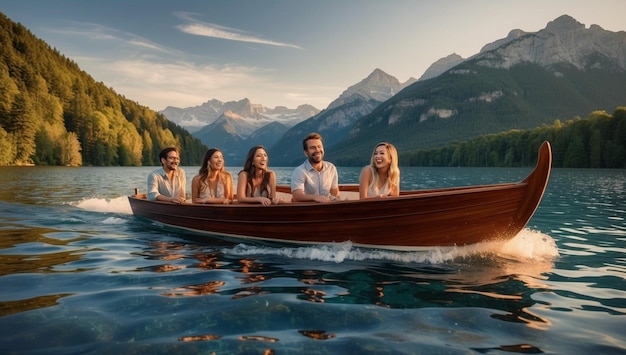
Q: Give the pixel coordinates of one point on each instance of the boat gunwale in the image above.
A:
(407, 194)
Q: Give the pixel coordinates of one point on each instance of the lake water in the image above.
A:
(80, 274)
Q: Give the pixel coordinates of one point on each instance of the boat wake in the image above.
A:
(527, 245)
(116, 205)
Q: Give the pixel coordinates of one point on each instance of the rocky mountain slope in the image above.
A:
(441, 66)
(520, 82)
(564, 40)
(335, 122)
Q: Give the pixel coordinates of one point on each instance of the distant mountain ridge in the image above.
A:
(519, 82)
(564, 40)
(235, 126)
(194, 118)
(234, 135)
(546, 47)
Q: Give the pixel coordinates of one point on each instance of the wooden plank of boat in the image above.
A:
(412, 221)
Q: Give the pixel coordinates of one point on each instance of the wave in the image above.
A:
(116, 205)
(527, 245)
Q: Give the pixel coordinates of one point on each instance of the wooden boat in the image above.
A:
(412, 221)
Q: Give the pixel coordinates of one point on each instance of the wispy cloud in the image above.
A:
(179, 84)
(205, 29)
(184, 84)
(146, 44)
(97, 32)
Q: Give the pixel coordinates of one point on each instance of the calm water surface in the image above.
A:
(80, 274)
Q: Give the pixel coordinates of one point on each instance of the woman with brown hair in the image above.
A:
(256, 183)
(213, 184)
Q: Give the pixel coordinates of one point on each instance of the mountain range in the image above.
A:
(520, 81)
(194, 118)
(234, 127)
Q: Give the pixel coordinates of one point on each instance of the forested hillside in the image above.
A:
(598, 141)
(53, 113)
(471, 101)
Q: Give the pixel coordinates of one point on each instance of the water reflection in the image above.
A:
(208, 261)
(206, 288)
(487, 281)
(204, 337)
(517, 348)
(17, 306)
(26, 250)
(317, 334)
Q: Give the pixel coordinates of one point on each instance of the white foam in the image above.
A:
(114, 221)
(115, 205)
(528, 244)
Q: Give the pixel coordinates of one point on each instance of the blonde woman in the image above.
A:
(381, 177)
(213, 184)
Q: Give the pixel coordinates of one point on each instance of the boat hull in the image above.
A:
(414, 220)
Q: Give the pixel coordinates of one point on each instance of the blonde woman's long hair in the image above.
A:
(393, 175)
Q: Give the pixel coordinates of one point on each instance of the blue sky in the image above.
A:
(277, 52)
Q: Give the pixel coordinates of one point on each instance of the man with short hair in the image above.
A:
(169, 182)
(315, 179)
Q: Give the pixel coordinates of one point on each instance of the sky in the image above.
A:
(184, 53)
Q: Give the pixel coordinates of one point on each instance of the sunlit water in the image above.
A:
(80, 274)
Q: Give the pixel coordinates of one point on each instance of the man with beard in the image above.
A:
(315, 179)
(169, 182)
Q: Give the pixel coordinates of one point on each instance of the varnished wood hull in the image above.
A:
(411, 221)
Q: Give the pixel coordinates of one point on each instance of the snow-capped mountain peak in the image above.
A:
(194, 118)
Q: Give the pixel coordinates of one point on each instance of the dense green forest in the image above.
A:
(53, 113)
(598, 141)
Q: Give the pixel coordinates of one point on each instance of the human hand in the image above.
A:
(177, 200)
(319, 198)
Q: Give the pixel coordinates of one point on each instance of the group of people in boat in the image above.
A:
(314, 180)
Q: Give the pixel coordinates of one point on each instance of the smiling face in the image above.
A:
(260, 159)
(314, 151)
(381, 157)
(216, 161)
(171, 161)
